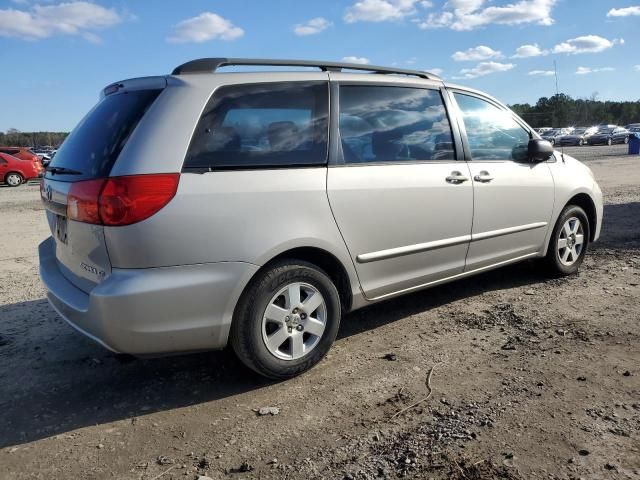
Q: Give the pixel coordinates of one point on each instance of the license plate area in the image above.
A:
(61, 229)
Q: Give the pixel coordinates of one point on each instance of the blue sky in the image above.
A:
(58, 55)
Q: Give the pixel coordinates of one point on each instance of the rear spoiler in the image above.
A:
(142, 83)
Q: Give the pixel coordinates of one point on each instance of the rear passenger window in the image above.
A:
(492, 133)
(393, 124)
(261, 126)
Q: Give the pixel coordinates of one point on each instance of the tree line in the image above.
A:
(16, 138)
(563, 111)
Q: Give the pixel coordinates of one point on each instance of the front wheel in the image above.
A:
(610, 142)
(287, 320)
(581, 142)
(13, 179)
(626, 140)
(569, 241)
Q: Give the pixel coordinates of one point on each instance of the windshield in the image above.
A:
(579, 131)
(91, 150)
(605, 130)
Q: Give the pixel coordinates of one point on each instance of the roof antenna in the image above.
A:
(555, 69)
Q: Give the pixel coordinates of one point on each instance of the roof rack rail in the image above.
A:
(212, 64)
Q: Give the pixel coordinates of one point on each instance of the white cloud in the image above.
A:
(471, 14)
(637, 68)
(437, 20)
(312, 27)
(527, 51)
(481, 52)
(360, 60)
(588, 70)
(206, 26)
(542, 73)
(42, 21)
(466, 6)
(586, 44)
(380, 10)
(484, 68)
(624, 12)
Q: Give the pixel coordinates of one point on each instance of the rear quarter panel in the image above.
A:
(234, 216)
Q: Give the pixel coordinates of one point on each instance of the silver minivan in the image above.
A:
(202, 208)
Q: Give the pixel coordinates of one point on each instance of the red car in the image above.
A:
(23, 153)
(15, 171)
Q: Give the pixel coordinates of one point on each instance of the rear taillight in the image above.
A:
(120, 201)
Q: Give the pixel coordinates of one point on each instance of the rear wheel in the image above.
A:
(610, 142)
(569, 241)
(13, 179)
(626, 140)
(287, 320)
(581, 142)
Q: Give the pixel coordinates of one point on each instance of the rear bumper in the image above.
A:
(150, 311)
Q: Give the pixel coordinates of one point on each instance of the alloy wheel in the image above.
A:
(294, 321)
(570, 241)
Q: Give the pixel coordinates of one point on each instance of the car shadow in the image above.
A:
(54, 381)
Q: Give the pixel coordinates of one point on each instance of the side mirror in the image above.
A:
(539, 150)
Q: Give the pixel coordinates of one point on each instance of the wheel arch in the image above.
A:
(584, 201)
(324, 260)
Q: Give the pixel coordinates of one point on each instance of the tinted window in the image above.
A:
(388, 124)
(264, 125)
(492, 133)
(94, 145)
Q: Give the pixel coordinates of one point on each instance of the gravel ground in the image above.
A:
(528, 378)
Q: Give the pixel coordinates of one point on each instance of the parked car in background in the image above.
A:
(542, 130)
(23, 153)
(576, 137)
(15, 171)
(291, 236)
(632, 125)
(552, 135)
(609, 136)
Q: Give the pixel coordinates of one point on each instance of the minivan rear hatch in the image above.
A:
(87, 155)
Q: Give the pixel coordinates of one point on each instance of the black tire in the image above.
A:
(246, 330)
(610, 142)
(554, 265)
(553, 142)
(12, 184)
(580, 142)
(626, 140)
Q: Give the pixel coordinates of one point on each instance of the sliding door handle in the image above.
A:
(483, 177)
(456, 178)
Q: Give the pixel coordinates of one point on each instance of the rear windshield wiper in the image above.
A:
(63, 170)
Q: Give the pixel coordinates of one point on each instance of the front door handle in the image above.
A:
(456, 178)
(483, 177)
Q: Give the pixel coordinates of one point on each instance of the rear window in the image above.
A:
(10, 151)
(262, 126)
(93, 146)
